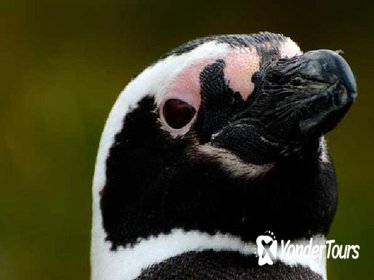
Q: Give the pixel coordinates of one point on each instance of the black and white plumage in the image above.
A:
(209, 147)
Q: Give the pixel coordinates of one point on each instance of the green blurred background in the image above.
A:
(63, 64)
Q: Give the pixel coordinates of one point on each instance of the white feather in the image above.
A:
(128, 263)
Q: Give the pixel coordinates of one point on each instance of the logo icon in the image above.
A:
(269, 249)
(266, 248)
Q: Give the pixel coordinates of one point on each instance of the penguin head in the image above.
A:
(223, 135)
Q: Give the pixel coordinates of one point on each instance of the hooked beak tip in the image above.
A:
(334, 69)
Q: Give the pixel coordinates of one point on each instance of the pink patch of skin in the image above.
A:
(240, 67)
(241, 64)
(185, 87)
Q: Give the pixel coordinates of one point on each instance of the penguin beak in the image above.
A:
(323, 88)
(295, 101)
(305, 96)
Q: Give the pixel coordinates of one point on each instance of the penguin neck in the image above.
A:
(129, 262)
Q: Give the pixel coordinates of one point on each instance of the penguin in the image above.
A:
(217, 142)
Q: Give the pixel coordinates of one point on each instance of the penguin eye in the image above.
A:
(178, 113)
